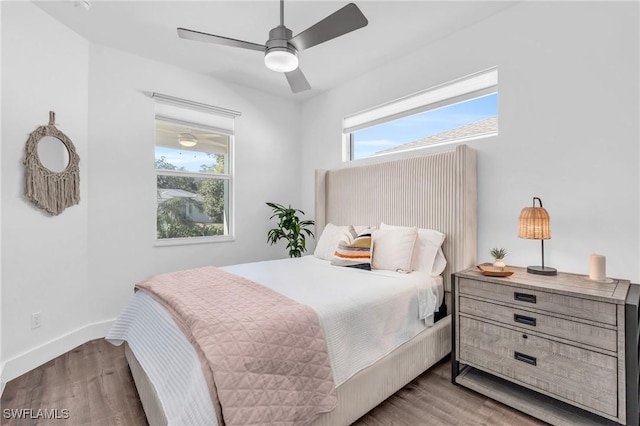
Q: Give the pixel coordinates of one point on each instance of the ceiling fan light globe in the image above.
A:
(281, 59)
(187, 140)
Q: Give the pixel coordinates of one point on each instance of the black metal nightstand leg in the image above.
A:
(455, 365)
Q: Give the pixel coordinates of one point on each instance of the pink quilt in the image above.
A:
(263, 354)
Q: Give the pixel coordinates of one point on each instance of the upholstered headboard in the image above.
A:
(436, 191)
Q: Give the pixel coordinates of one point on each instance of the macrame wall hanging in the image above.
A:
(47, 189)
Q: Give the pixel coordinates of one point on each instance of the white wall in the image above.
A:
(568, 105)
(44, 258)
(123, 197)
(2, 383)
(78, 269)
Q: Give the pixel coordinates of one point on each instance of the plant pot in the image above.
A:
(499, 263)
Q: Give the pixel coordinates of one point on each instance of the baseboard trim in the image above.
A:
(27, 361)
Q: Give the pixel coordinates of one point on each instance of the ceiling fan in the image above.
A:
(281, 50)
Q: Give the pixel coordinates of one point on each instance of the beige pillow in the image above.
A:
(427, 255)
(392, 249)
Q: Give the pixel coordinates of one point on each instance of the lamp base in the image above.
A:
(542, 270)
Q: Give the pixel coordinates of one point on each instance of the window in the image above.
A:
(193, 163)
(460, 110)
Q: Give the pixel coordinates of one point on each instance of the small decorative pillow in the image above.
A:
(328, 241)
(361, 229)
(354, 252)
(427, 256)
(392, 249)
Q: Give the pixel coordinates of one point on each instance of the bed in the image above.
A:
(436, 191)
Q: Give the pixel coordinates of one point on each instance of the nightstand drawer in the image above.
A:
(578, 375)
(558, 303)
(571, 330)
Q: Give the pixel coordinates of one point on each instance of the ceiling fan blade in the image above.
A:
(297, 81)
(225, 41)
(345, 20)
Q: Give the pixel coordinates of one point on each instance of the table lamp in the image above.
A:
(534, 224)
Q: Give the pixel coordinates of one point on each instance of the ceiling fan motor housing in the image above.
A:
(280, 55)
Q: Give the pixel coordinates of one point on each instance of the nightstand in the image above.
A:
(554, 347)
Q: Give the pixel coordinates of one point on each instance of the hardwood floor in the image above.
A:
(94, 384)
(431, 399)
(92, 381)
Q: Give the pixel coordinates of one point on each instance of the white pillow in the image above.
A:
(393, 249)
(428, 255)
(439, 264)
(329, 239)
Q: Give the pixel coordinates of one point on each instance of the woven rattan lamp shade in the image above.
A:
(534, 224)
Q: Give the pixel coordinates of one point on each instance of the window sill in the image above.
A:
(192, 240)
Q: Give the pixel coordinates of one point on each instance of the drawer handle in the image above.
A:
(524, 320)
(523, 297)
(525, 358)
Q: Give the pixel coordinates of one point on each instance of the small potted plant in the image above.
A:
(290, 228)
(498, 254)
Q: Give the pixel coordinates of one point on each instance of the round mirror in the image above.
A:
(53, 154)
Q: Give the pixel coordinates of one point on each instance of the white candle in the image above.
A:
(597, 267)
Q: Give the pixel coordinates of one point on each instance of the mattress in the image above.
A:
(364, 316)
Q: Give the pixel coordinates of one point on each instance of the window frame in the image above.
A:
(229, 176)
(464, 89)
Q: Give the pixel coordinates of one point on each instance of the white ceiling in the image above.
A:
(148, 29)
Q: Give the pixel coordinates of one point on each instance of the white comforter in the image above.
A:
(364, 316)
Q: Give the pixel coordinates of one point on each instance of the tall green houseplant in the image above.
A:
(290, 228)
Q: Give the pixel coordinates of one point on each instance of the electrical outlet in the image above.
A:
(35, 320)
